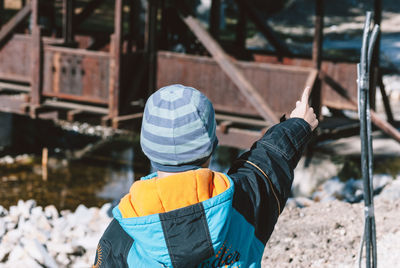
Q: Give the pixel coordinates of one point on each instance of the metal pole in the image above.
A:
(366, 138)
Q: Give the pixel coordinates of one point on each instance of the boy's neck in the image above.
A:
(163, 174)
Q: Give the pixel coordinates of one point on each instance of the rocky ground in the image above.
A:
(34, 237)
(328, 234)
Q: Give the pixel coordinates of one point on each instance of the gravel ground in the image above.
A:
(329, 234)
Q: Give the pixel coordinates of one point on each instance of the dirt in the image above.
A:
(329, 234)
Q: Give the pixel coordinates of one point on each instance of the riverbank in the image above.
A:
(308, 233)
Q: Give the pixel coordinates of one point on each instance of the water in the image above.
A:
(102, 170)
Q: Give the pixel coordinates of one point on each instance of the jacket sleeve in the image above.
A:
(113, 248)
(263, 176)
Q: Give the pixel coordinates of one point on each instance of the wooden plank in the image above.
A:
(231, 70)
(8, 28)
(261, 24)
(115, 66)
(37, 67)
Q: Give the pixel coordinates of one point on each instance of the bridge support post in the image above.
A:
(115, 63)
(68, 25)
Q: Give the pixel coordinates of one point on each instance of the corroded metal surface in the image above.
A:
(75, 74)
(15, 59)
(280, 86)
(343, 75)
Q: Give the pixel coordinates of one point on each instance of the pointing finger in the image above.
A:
(306, 95)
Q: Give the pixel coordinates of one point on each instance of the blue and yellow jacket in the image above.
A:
(202, 218)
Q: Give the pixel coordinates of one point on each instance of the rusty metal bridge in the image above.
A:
(66, 71)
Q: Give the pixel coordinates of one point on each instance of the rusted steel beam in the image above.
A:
(238, 138)
(37, 68)
(381, 124)
(10, 86)
(150, 43)
(231, 70)
(317, 55)
(215, 18)
(1, 12)
(263, 27)
(318, 34)
(68, 24)
(241, 120)
(241, 31)
(76, 106)
(90, 7)
(205, 74)
(10, 26)
(116, 57)
(117, 120)
(71, 115)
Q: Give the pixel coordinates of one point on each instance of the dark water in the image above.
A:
(104, 172)
(92, 172)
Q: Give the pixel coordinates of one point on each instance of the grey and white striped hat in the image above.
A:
(178, 129)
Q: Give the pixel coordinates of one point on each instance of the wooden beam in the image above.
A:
(263, 27)
(116, 57)
(231, 70)
(12, 24)
(150, 44)
(36, 68)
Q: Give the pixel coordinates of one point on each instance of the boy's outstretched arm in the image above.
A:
(263, 176)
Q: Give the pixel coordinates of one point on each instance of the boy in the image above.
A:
(186, 215)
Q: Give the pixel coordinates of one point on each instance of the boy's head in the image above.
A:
(178, 129)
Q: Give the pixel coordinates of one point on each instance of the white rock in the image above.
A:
(104, 209)
(23, 263)
(51, 212)
(4, 250)
(32, 250)
(17, 253)
(47, 258)
(12, 237)
(63, 259)
(56, 248)
(3, 211)
(14, 213)
(25, 207)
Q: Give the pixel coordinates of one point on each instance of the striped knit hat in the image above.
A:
(178, 129)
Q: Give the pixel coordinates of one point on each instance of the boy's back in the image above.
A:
(186, 215)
